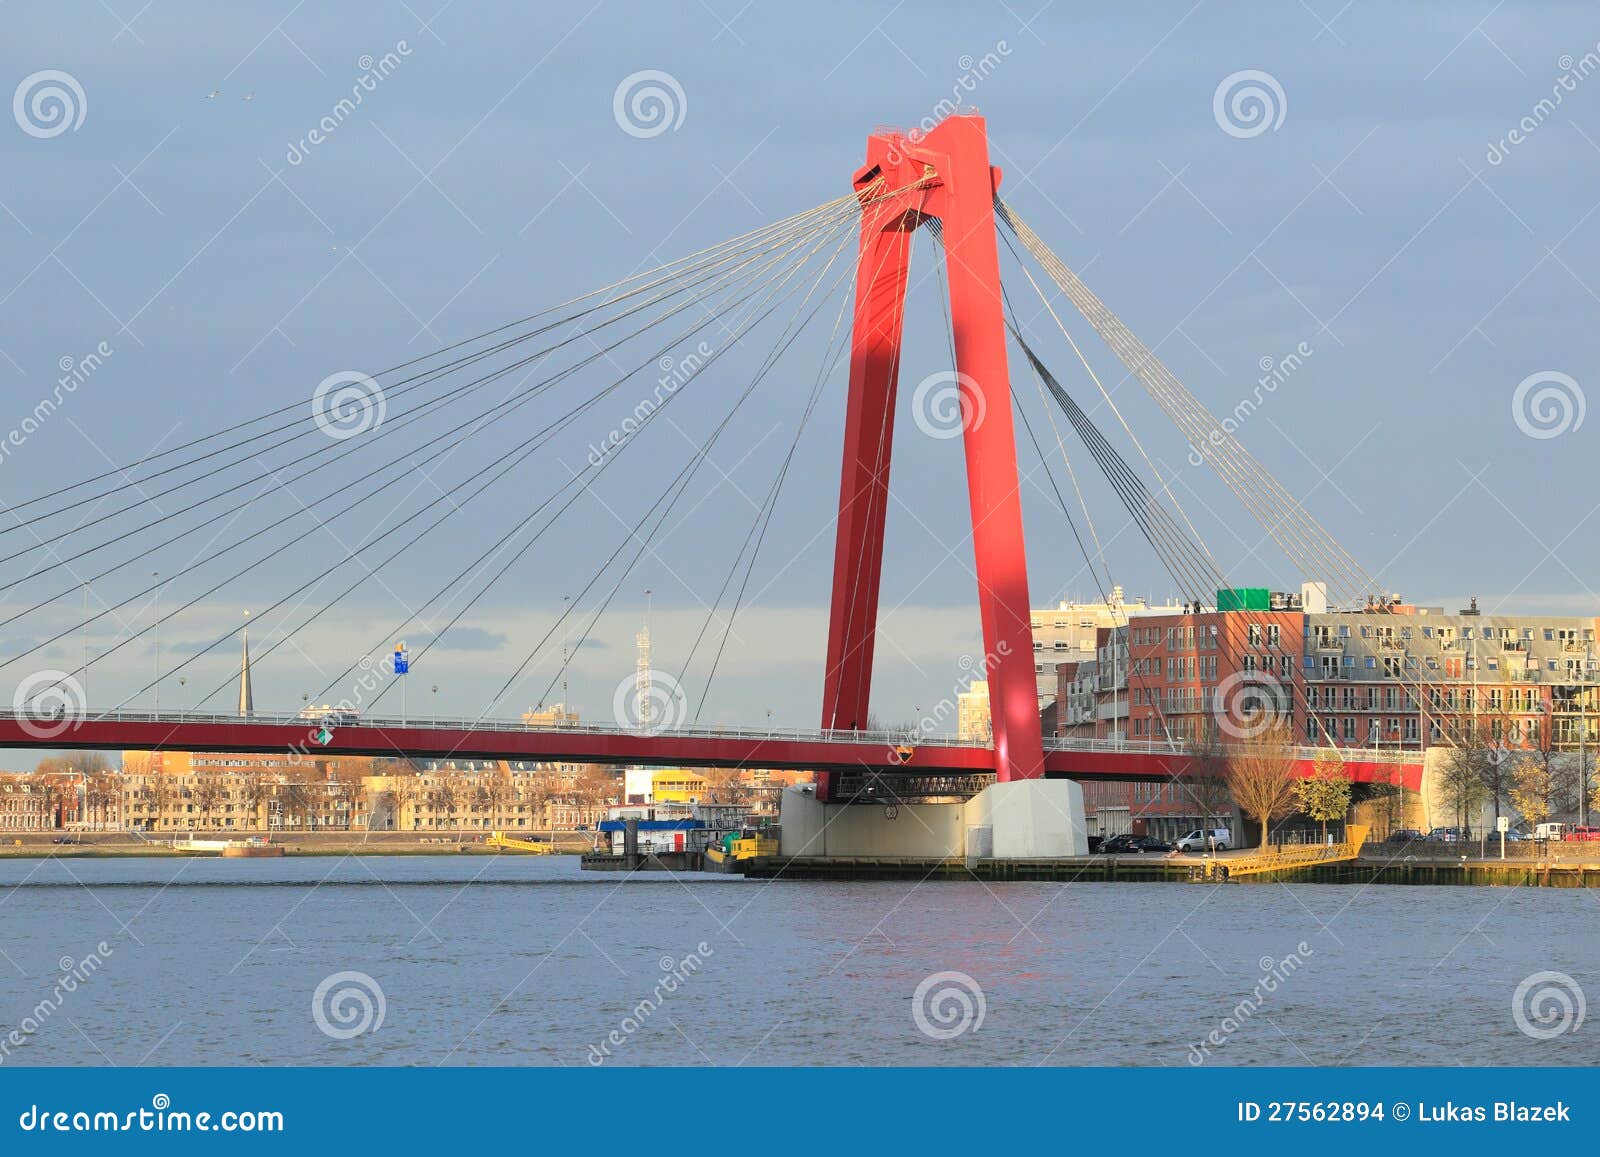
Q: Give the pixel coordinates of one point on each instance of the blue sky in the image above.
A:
(1385, 222)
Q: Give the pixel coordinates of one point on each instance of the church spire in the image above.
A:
(247, 704)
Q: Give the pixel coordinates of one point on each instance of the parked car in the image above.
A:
(1550, 831)
(1405, 836)
(64, 840)
(1205, 840)
(1133, 845)
(1447, 835)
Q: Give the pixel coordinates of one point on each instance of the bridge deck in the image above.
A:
(888, 753)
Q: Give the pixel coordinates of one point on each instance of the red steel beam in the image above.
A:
(666, 749)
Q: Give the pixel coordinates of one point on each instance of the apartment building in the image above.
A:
(28, 803)
(1387, 674)
(972, 712)
(1409, 677)
(1070, 632)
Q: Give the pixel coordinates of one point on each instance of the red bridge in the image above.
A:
(885, 754)
(940, 184)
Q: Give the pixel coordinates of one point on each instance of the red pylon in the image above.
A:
(944, 174)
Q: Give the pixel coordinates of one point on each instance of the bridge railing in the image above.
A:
(897, 738)
(338, 718)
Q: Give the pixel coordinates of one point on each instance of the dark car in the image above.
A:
(63, 840)
(1405, 836)
(1133, 845)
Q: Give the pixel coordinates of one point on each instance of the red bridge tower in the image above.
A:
(944, 174)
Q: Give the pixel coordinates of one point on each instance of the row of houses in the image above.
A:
(223, 791)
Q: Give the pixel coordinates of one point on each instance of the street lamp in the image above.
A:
(1583, 739)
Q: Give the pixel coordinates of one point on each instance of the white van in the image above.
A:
(1205, 840)
(1551, 831)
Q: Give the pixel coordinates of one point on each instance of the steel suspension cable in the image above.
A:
(664, 271)
(576, 481)
(1286, 520)
(763, 517)
(1283, 517)
(476, 423)
(526, 448)
(328, 446)
(681, 484)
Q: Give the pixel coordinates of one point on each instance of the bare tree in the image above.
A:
(253, 794)
(1389, 796)
(596, 786)
(208, 792)
(725, 785)
(1261, 775)
(102, 792)
(404, 793)
(296, 796)
(158, 791)
(450, 796)
(1461, 780)
(1206, 785)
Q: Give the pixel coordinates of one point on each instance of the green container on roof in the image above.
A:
(1244, 599)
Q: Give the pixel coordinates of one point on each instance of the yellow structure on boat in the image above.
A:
(512, 844)
(1287, 859)
(737, 848)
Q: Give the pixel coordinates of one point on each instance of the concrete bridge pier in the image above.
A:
(1021, 820)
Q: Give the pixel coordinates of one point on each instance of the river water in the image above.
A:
(527, 961)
